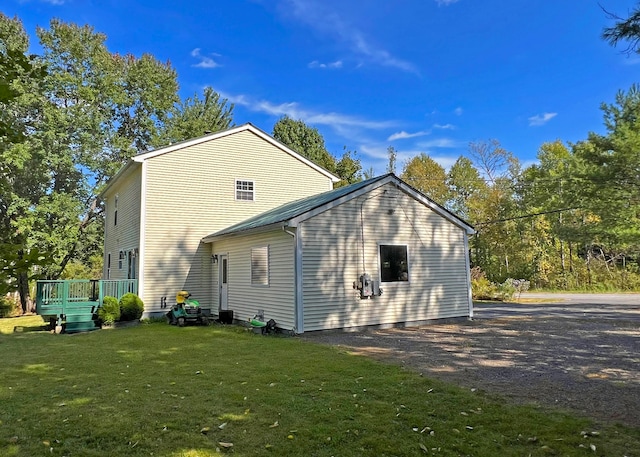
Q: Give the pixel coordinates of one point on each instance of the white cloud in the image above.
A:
(332, 25)
(458, 111)
(444, 126)
(331, 65)
(294, 111)
(379, 157)
(205, 62)
(541, 119)
(440, 143)
(446, 2)
(403, 135)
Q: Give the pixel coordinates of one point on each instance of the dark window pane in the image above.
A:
(393, 263)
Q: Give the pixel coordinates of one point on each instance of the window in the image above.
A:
(115, 212)
(109, 266)
(244, 190)
(120, 259)
(393, 263)
(260, 266)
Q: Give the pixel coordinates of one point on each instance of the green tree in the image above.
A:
(467, 189)
(85, 117)
(624, 30)
(392, 154)
(610, 172)
(348, 168)
(428, 176)
(194, 117)
(305, 140)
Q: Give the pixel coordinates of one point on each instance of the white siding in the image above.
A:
(278, 298)
(124, 236)
(190, 193)
(333, 259)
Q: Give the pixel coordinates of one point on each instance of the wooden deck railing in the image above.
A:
(60, 299)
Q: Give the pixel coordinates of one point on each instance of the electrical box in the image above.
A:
(368, 287)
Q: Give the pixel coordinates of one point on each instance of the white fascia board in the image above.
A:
(245, 127)
(435, 207)
(124, 171)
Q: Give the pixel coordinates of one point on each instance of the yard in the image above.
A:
(205, 391)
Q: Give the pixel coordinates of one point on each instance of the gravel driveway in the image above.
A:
(588, 363)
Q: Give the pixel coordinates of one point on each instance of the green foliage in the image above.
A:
(9, 306)
(109, 312)
(483, 289)
(625, 30)
(348, 169)
(194, 117)
(131, 307)
(426, 175)
(306, 141)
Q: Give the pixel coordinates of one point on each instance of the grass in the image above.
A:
(195, 391)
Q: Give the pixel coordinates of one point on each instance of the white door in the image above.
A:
(223, 274)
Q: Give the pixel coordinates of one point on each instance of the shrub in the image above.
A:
(131, 307)
(109, 312)
(9, 306)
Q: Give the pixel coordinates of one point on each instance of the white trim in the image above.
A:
(142, 157)
(391, 243)
(399, 185)
(253, 189)
(467, 263)
(214, 136)
(143, 222)
(298, 312)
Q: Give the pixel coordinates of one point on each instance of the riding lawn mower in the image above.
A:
(186, 310)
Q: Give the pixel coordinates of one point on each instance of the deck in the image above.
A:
(74, 302)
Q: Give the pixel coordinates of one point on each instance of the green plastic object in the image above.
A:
(257, 323)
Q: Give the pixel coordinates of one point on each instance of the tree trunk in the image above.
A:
(23, 290)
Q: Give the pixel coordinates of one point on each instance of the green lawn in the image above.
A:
(204, 391)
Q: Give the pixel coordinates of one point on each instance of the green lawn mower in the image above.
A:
(186, 311)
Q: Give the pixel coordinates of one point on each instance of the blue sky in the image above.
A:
(419, 75)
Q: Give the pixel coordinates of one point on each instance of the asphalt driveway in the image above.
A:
(573, 306)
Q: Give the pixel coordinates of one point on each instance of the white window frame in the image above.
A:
(121, 258)
(108, 265)
(259, 270)
(380, 266)
(245, 192)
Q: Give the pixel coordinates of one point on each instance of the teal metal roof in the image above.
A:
(296, 208)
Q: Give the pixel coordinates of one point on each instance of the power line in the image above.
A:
(526, 216)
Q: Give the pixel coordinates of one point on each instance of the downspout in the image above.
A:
(297, 282)
(468, 273)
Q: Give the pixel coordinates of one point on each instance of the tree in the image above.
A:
(467, 189)
(194, 117)
(305, 140)
(85, 116)
(625, 29)
(348, 168)
(21, 171)
(426, 175)
(392, 154)
(610, 172)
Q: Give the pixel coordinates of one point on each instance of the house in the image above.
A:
(162, 203)
(246, 224)
(301, 263)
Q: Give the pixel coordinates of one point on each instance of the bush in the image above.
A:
(9, 307)
(109, 312)
(131, 307)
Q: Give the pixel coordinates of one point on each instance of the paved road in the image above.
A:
(575, 306)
